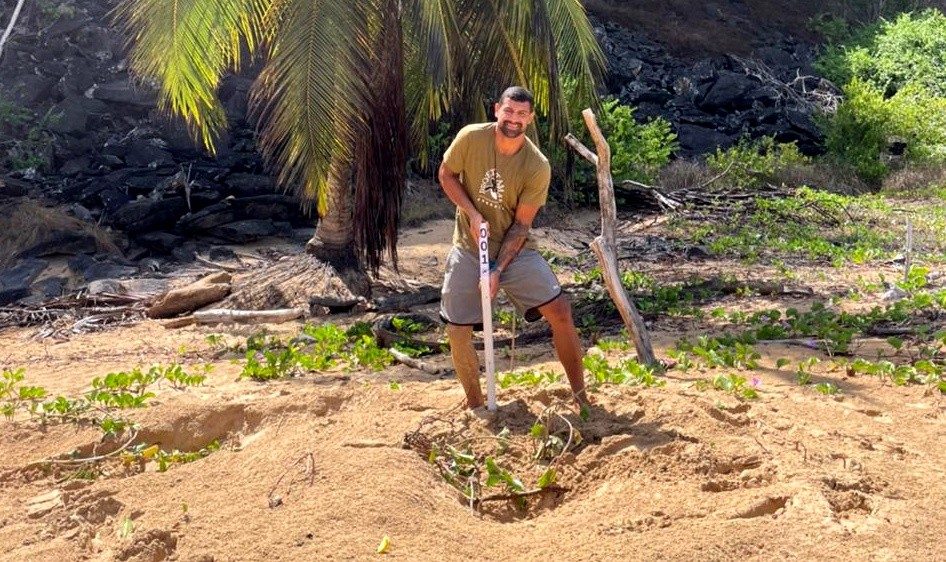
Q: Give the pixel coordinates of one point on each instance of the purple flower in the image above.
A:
(755, 382)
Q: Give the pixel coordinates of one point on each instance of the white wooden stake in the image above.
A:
(487, 318)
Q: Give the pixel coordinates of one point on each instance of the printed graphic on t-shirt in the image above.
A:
(492, 188)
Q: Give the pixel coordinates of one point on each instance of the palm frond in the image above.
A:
(187, 45)
(579, 55)
(306, 95)
(381, 145)
(534, 43)
(430, 28)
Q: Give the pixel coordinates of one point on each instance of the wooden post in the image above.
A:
(603, 245)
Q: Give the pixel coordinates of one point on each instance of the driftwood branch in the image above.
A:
(603, 245)
(414, 362)
(664, 201)
(581, 149)
(221, 316)
(716, 177)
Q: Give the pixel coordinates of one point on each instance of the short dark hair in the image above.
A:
(519, 94)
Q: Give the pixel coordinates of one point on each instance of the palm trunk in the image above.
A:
(333, 241)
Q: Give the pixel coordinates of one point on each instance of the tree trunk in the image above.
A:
(333, 241)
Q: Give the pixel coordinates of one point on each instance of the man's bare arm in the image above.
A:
(516, 236)
(450, 182)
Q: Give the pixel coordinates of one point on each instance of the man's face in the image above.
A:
(512, 117)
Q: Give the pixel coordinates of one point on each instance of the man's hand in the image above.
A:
(494, 283)
(476, 220)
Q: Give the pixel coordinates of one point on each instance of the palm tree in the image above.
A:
(349, 87)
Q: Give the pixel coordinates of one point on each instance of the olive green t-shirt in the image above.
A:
(496, 184)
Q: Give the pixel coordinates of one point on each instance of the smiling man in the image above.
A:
(493, 172)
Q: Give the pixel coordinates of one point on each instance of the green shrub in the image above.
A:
(894, 81)
(755, 162)
(908, 50)
(638, 150)
(24, 142)
(865, 124)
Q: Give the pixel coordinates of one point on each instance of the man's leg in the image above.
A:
(558, 313)
(466, 363)
(460, 303)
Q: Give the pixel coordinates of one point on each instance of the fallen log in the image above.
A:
(404, 301)
(223, 316)
(414, 362)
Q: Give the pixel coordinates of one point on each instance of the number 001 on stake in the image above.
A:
(487, 318)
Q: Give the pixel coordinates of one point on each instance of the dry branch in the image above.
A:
(414, 362)
(603, 245)
(222, 316)
(308, 476)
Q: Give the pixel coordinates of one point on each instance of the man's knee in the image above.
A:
(459, 335)
(557, 312)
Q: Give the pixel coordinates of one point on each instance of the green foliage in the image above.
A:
(14, 395)
(13, 114)
(496, 476)
(179, 379)
(915, 279)
(827, 388)
(408, 327)
(123, 389)
(638, 150)
(548, 445)
(587, 277)
(724, 352)
(508, 319)
(751, 163)
(366, 353)
(843, 41)
(864, 125)
(530, 378)
(100, 406)
(803, 372)
(56, 9)
(143, 453)
(857, 133)
(269, 364)
(166, 458)
(832, 28)
(24, 142)
(669, 299)
(627, 372)
(358, 329)
(733, 384)
(810, 224)
(269, 358)
(430, 153)
(929, 371)
(894, 80)
(411, 350)
(615, 344)
(908, 50)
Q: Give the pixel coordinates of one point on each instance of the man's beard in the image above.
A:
(511, 131)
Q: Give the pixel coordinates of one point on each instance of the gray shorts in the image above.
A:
(528, 282)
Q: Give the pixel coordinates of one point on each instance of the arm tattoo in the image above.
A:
(513, 241)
